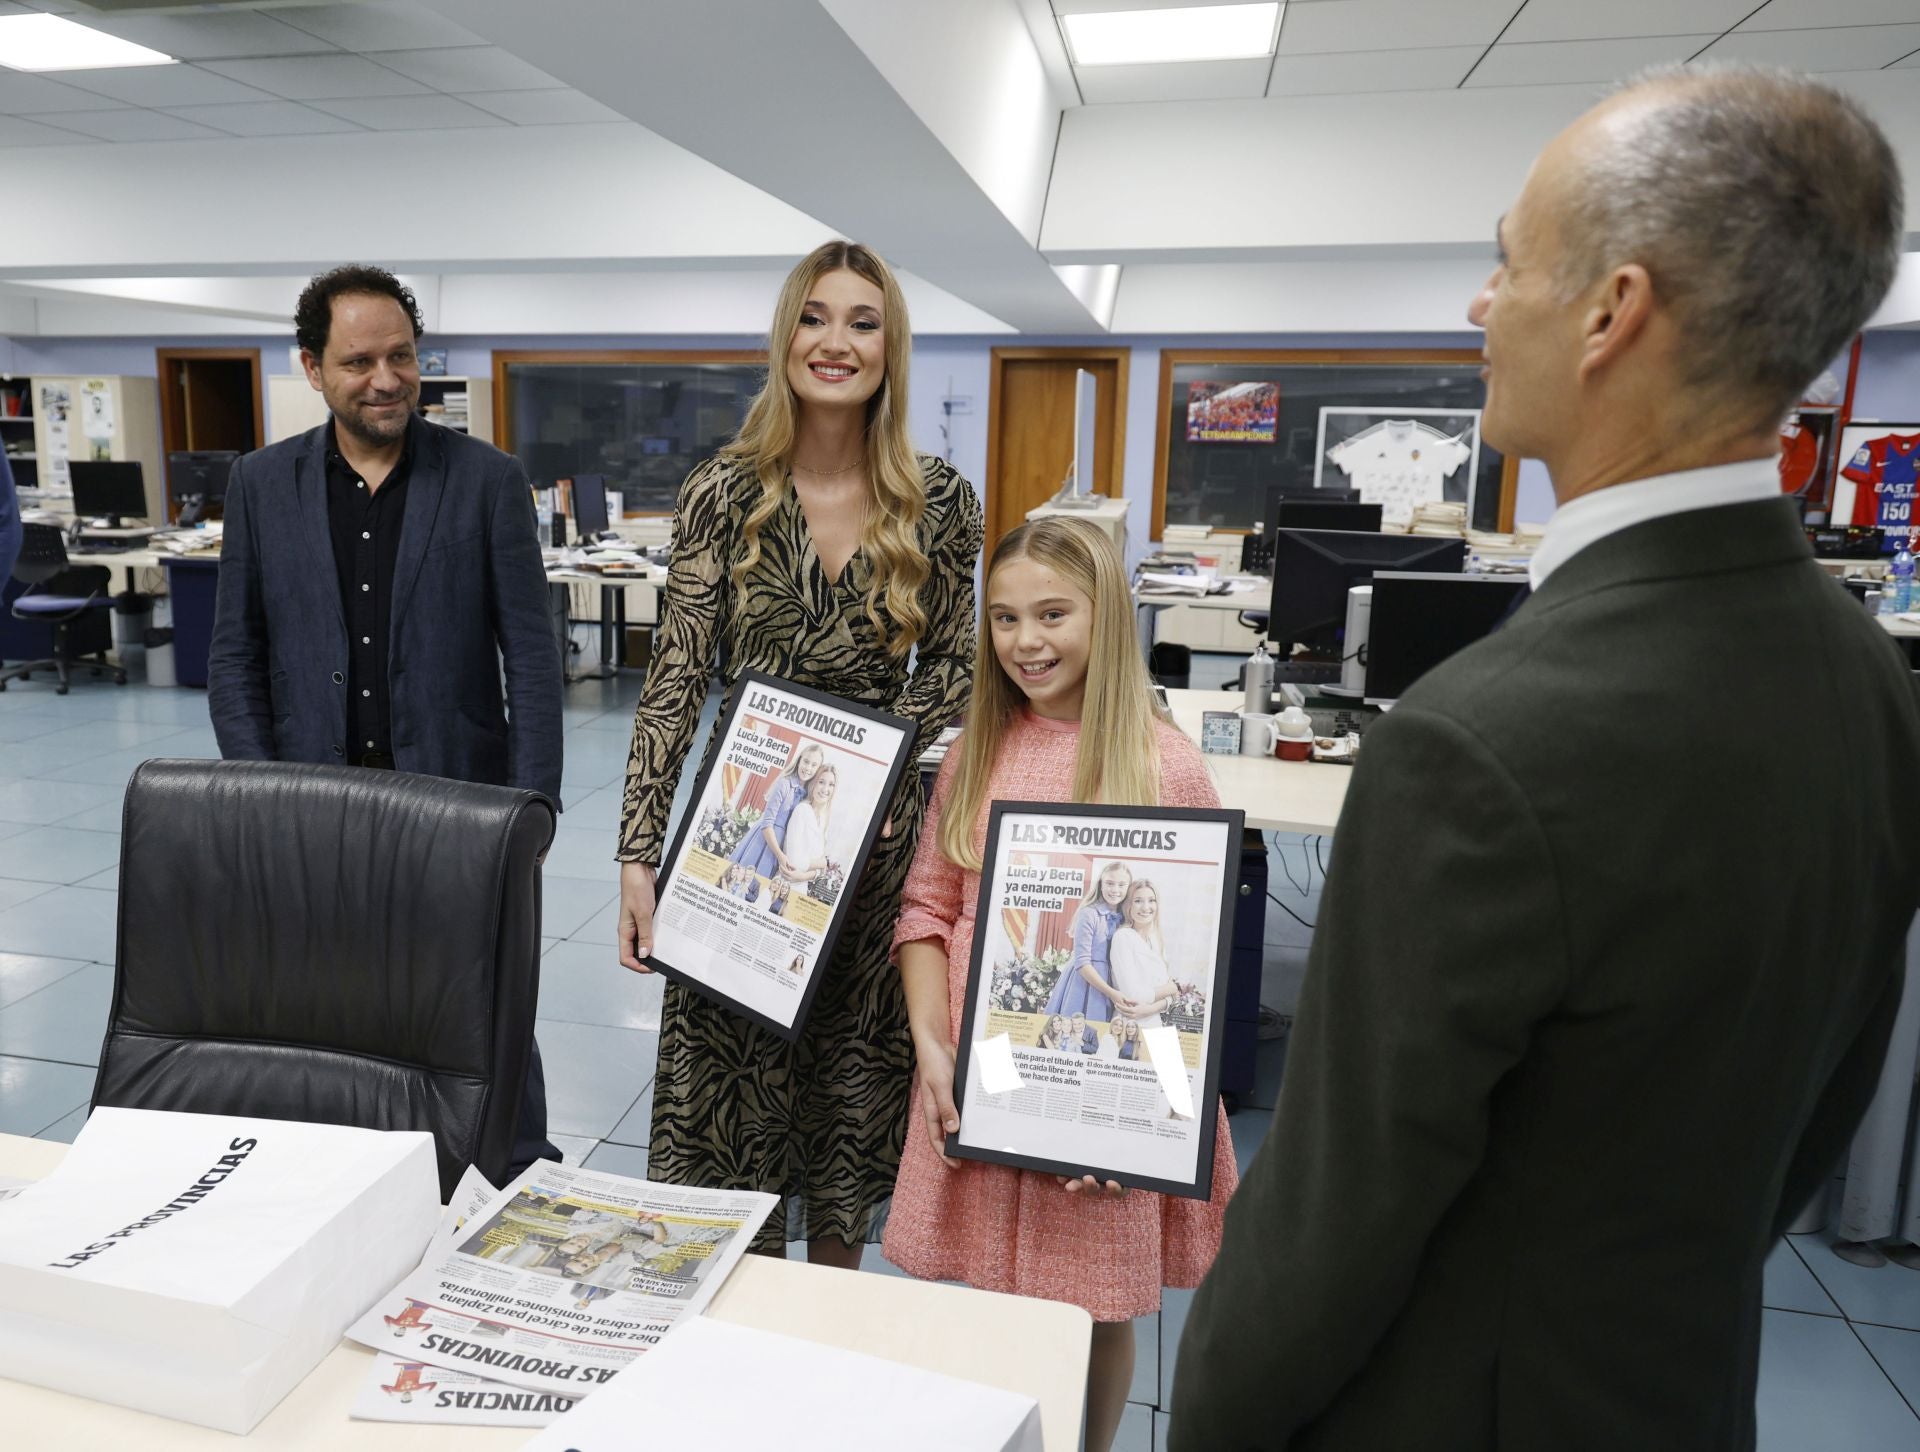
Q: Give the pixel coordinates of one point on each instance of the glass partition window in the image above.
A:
(1242, 430)
(644, 424)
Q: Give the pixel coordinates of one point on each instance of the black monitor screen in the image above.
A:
(115, 490)
(203, 473)
(589, 505)
(1419, 620)
(1314, 568)
(1297, 513)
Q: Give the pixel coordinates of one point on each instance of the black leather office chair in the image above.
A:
(72, 600)
(330, 944)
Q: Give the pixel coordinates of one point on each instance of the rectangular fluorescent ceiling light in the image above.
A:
(1188, 33)
(50, 43)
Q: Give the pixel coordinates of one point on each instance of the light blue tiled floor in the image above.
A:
(1826, 1380)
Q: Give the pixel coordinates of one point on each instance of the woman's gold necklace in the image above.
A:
(830, 473)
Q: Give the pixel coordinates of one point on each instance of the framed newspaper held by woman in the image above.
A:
(1091, 1035)
(753, 892)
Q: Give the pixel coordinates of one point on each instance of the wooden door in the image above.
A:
(209, 400)
(1030, 428)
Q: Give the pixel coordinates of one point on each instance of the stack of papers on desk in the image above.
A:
(805, 1397)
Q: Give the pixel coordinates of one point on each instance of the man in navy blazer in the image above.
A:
(376, 573)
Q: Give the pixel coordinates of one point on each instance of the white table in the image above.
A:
(1899, 627)
(1277, 796)
(1216, 629)
(1038, 1348)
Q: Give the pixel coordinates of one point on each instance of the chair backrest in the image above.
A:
(43, 554)
(330, 944)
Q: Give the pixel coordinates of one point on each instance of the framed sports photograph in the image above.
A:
(1091, 1037)
(1232, 412)
(1879, 464)
(754, 891)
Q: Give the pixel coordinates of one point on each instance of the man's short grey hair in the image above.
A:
(1767, 209)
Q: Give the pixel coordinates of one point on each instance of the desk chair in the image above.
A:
(71, 600)
(330, 944)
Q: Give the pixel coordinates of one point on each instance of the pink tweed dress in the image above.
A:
(1004, 1229)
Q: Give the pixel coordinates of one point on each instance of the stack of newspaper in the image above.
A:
(1442, 519)
(530, 1297)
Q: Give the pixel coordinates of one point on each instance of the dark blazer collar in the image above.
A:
(310, 485)
(1679, 546)
(426, 487)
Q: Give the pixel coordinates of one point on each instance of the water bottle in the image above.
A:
(1257, 676)
(543, 512)
(1902, 593)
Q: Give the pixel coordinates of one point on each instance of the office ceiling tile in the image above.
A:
(264, 118)
(18, 131)
(1588, 20)
(181, 85)
(319, 78)
(1847, 48)
(133, 125)
(468, 68)
(1909, 63)
(1314, 26)
(7, 7)
(543, 108)
(1822, 14)
(1574, 62)
(1174, 81)
(210, 36)
(1431, 68)
(380, 25)
(20, 93)
(409, 113)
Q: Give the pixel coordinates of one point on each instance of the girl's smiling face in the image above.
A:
(1113, 885)
(808, 763)
(1143, 907)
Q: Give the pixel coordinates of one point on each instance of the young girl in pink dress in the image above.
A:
(1059, 660)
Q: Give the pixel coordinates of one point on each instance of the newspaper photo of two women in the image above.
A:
(751, 894)
(1091, 1041)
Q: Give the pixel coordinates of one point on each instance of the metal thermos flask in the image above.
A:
(1257, 676)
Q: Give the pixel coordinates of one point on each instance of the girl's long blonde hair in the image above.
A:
(764, 444)
(1118, 759)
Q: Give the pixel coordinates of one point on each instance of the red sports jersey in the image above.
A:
(1799, 456)
(1887, 466)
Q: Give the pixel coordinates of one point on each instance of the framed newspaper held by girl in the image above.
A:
(1091, 1035)
(755, 888)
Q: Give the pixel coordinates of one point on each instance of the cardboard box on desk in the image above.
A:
(199, 1266)
(807, 1397)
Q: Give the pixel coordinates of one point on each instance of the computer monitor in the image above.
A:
(1296, 513)
(1314, 568)
(115, 491)
(589, 506)
(1420, 619)
(197, 480)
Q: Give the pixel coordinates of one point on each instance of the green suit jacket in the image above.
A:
(1603, 976)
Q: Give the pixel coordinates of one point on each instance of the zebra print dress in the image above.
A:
(820, 1121)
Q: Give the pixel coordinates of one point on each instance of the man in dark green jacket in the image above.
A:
(1612, 936)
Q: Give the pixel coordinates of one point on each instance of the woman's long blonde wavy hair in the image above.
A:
(1118, 759)
(890, 537)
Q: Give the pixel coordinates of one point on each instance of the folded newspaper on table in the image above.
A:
(806, 1398)
(199, 1266)
(565, 1277)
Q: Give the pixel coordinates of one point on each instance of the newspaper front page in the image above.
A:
(401, 1390)
(566, 1277)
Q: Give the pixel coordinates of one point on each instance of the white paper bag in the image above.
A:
(806, 1397)
(199, 1266)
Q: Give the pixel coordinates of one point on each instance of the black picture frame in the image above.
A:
(1200, 1185)
(727, 724)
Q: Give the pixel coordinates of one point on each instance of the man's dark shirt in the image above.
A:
(366, 543)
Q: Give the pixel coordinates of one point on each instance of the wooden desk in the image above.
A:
(1037, 1348)
(1277, 796)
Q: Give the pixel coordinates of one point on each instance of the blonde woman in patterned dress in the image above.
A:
(820, 548)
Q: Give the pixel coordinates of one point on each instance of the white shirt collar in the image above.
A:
(1592, 517)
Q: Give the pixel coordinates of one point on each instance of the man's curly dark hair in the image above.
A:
(313, 314)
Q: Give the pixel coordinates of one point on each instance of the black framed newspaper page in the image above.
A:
(1091, 1035)
(756, 886)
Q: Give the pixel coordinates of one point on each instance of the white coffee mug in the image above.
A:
(1258, 733)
